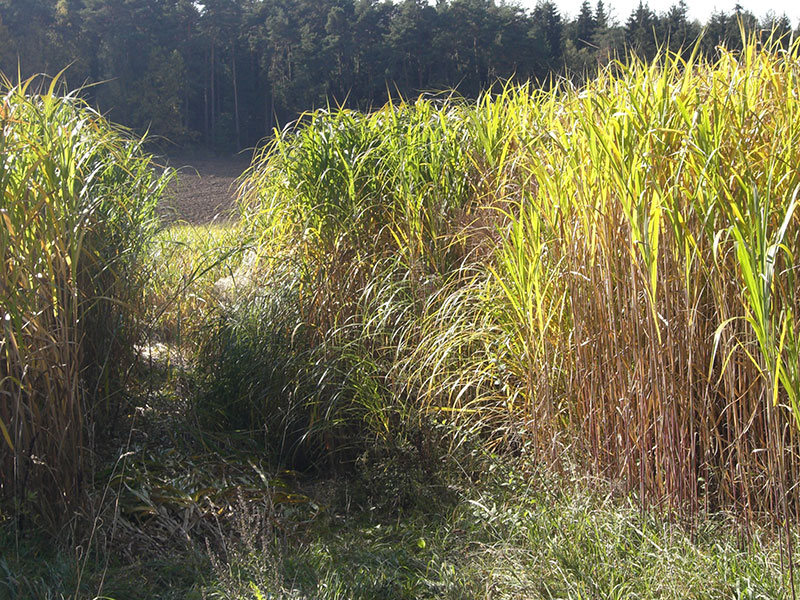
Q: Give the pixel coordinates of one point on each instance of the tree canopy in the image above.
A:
(224, 73)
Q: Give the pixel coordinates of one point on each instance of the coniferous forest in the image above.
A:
(223, 73)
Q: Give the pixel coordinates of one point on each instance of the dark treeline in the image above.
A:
(223, 73)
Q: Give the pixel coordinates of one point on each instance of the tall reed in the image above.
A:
(605, 273)
(644, 289)
(77, 200)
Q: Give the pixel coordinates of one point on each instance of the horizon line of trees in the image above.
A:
(223, 73)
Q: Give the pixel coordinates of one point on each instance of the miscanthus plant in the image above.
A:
(77, 200)
(602, 274)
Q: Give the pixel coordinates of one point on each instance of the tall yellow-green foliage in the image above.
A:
(642, 304)
(77, 202)
(604, 272)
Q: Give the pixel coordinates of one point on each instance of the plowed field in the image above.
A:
(205, 189)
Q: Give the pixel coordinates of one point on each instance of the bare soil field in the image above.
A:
(205, 189)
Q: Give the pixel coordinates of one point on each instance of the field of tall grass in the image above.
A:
(480, 307)
(77, 200)
(601, 275)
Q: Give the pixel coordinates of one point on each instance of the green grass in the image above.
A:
(190, 264)
(512, 531)
(514, 539)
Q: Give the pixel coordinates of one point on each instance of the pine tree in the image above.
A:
(600, 15)
(640, 31)
(678, 30)
(550, 28)
(585, 25)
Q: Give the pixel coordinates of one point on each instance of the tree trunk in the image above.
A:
(213, 97)
(235, 99)
(206, 120)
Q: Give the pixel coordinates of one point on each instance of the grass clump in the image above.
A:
(337, 241)
(601, 273)
(77, 199)
(193, 267)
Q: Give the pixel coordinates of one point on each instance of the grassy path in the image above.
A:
(203, 515)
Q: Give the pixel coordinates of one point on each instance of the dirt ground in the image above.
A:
(205, 189)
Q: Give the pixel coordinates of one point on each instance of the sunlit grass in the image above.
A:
(194, 267)
(77, 200)
(603, 273)
(514, 533)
